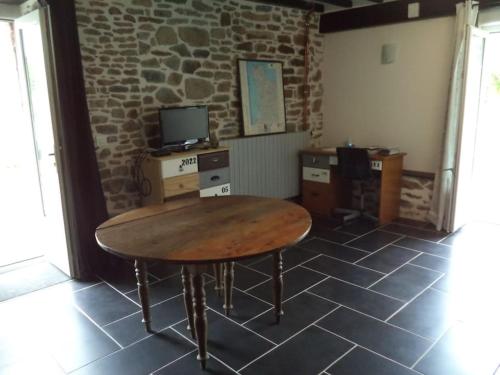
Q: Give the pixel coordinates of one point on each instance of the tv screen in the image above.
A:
(178, 125)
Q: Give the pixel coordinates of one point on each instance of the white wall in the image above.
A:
(400, 105)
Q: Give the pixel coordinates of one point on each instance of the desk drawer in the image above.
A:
(214, 177)
(216, 191)
(316, 175)
(179, 167)
(181, 185)
(214, 160)
(317, 197)
(316, 161)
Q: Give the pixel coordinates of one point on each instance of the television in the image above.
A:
(183, 126)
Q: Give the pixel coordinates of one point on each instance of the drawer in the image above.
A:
(316, 161)
(180, 185)
(316, 175)
(317, 197)
(179, 167)
(214, 160)
(216, 191)
(214, 177)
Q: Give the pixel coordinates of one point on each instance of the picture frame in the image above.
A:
(262, 97)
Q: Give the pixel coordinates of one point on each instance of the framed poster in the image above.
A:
(262, 97)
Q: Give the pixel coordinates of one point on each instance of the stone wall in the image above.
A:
(139, 55)
(416, 196)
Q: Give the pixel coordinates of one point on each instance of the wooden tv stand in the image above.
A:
(197, 172)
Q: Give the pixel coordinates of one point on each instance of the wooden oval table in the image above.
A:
(198, 232)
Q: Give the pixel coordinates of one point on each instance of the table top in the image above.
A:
(205, 230)
(331, 151)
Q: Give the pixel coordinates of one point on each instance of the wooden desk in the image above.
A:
(323, 191)
(197, 232)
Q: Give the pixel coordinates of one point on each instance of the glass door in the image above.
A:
(474, 57)
(38, 94)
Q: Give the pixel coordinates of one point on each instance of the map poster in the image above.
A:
(262, 98)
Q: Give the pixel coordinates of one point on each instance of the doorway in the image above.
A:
(34, 252)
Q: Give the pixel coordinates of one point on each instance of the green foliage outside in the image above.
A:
(496, 82)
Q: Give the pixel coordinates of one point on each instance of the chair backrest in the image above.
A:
(354, 163)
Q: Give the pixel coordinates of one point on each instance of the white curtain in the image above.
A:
(442, 198)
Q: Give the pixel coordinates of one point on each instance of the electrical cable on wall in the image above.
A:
(142, 184)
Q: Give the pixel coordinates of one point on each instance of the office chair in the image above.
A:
(354, 164)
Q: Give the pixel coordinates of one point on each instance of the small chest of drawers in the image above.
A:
(203, 173)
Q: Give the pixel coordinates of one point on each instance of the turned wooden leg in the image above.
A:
(218, 278)
(142, 287)
(278, 285)
(188, 299)
(200, 317)
(228, 286)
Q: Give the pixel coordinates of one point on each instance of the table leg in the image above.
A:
(200, 316)
(143, 290)
(228, 286)
(218, 278)
(278, 285)
(188, 299)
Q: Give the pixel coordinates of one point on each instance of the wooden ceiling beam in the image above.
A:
(298, 4)
(384, 14)
(340, 3)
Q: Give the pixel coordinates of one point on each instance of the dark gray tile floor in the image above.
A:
(399, 299)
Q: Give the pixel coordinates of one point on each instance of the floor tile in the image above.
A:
(300, 312)
(104, 304)
(471, 233)
(162, 290)
(423, 234)
(425, 246)
(142, 357)
(245, 278)
(291, 258)
(429, 315)
(361, 361)
(335, 250)
(332, 235)
(432, 262)
(359, 227)
(310, 352)
(123, 278)
(344, 271)
(294, 281)
(374, 240)
(131, 329)
(388, 259)
(230, 342)
(389, 341)
(36, 364)
(358, 298)
(406, 282)
(189, 365)
(463, 350)
(245, 306)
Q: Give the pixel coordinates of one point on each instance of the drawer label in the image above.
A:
(216, 191)
(179, 167)
(377, 165)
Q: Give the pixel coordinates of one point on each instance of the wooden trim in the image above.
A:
(299, 4)
(384, 14)
(409, 173)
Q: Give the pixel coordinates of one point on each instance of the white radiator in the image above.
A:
(266, 166)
